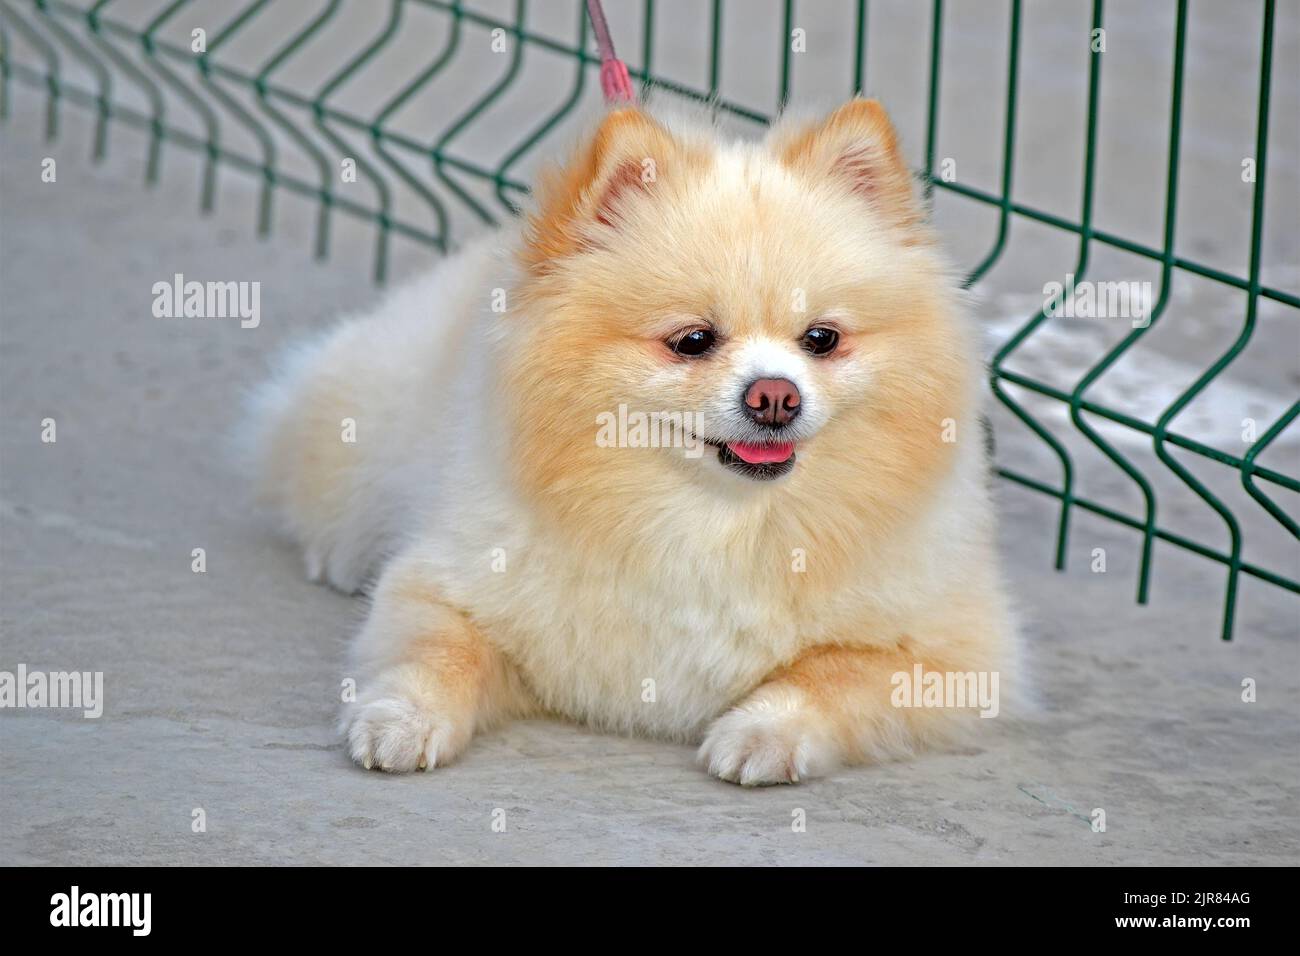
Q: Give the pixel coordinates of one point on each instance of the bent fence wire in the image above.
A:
(115, 50)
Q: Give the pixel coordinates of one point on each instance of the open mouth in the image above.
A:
(761, 461)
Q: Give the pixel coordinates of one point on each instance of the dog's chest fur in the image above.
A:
(656, 647)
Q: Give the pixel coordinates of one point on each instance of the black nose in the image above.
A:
(772, 401)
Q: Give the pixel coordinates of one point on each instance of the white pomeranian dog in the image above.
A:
(792, 564)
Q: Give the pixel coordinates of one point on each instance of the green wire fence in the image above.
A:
(97, 40)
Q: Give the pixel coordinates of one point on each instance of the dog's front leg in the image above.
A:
(833, 705)
(426, 677)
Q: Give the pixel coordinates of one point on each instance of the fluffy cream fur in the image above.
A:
(524, 569)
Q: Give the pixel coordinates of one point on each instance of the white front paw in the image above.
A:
(399, 733)
(767, 739)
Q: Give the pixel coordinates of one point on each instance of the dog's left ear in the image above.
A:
(624, 157)
(857, 146)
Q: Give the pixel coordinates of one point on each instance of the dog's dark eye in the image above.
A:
(820, 341)
(693, 343)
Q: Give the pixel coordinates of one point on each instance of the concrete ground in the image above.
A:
(221, 688)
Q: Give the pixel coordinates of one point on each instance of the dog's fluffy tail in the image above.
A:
(301, 446)
(349, 433)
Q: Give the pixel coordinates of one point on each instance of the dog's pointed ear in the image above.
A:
(626, 155)
(856, 146)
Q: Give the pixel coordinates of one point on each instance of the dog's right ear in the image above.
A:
(625, 157)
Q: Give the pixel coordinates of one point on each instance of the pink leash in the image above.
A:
(614, 79)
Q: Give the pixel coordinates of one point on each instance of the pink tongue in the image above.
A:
(761, 454)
